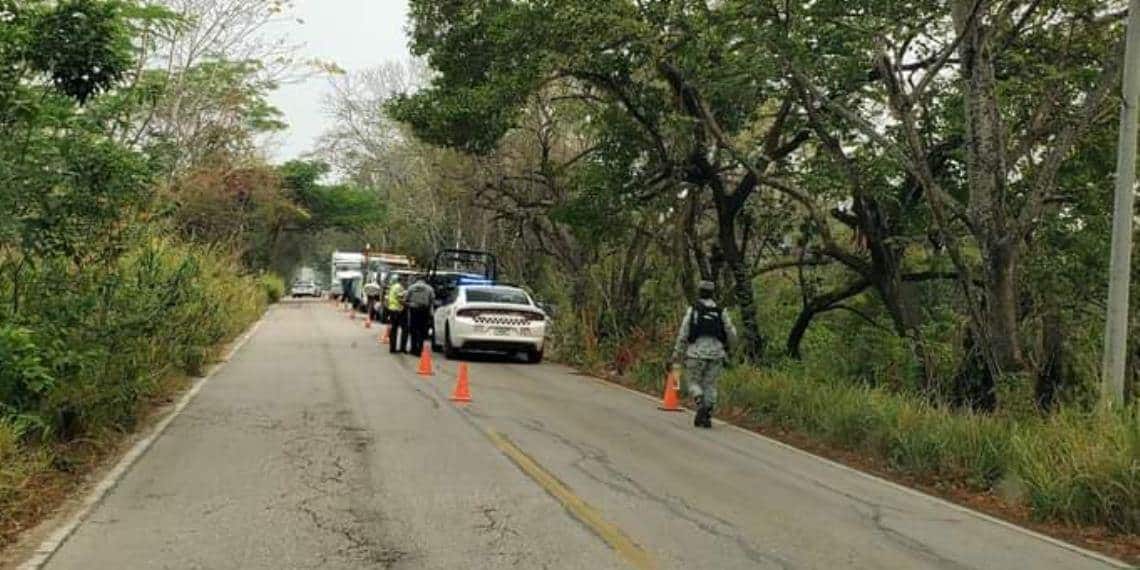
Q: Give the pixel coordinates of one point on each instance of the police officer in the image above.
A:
(418, 301)
(397, 318)
(703, 342)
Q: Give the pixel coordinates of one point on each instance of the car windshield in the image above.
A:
(508, 296)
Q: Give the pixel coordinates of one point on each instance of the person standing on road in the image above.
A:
(372, 293)
(703, 342)
(397, 318)
(419, 299)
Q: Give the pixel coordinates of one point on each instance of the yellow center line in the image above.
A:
(633, 554)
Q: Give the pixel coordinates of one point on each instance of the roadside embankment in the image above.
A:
(87, 352)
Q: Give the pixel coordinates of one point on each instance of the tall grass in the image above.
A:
(1071, 467)
(85, 348)
(273, 286)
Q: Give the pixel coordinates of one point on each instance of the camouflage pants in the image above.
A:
(701, 376)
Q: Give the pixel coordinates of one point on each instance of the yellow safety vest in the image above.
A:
(396, 297)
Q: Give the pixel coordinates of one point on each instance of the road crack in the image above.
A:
(620, 482)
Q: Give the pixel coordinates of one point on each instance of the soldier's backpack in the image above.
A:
(707, 322)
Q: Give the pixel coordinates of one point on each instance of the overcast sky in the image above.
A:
(354, 34)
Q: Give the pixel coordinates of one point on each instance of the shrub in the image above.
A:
(1081, 468)
(273, 286)
(83, 348)
(24, 379)
(81, 353)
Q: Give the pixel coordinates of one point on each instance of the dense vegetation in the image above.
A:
(906, 203)
(140, 228)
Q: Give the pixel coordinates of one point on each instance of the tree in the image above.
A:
(663, 69)
(65, 188)
(1023, 107)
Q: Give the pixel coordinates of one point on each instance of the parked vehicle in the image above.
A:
(375, 278)
(347, 271)
(450, 267)
(490, 317)
(304, 289)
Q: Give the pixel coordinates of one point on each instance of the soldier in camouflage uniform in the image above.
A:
(703, 342)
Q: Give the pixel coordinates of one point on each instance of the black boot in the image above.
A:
(704, 417)
(698, 419)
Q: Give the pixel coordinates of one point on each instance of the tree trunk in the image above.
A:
(745, 297)
(1002, 308)
(1051, 378)
(987, 170)
(799, 329)
(821, 304)
(886, 274)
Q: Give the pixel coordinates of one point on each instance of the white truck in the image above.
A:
(353, 272)
(346, 273)
(380, 267)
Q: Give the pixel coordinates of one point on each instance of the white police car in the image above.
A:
(481, 316)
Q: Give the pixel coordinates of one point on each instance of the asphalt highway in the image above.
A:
(314, 448)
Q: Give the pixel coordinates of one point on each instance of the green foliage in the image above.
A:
(24, 379)
(1081, 469)
(82, 358)
(99, 315)
(1073, 467)
(83, 45)
(344, 207)
(273, 286)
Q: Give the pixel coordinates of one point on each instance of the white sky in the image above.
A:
(354, 34)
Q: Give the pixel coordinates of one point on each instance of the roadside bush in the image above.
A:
(274, 287)
(1081, 468)
(82, 346)
(24, 379)
(1070, 467)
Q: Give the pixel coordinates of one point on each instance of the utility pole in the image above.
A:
(1120, 266)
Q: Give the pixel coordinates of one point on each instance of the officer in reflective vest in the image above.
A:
(705, 337)
(397, 318)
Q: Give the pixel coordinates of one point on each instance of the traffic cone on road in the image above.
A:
(386, 335)
(671, 402)
(425, 361)
(462, 385)
(368, 322)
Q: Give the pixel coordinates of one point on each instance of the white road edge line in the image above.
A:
(915, 492)
(55, 541)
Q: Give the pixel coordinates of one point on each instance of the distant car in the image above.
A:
(495, 318)
(305, 289)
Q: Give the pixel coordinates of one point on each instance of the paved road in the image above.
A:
(313, 448)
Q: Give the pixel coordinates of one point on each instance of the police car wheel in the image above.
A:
(449, 350)
(534, 356)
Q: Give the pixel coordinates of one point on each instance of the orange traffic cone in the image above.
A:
(425, 361)
(386, 335)
(462, 385)
(368, 322)
(671, 401)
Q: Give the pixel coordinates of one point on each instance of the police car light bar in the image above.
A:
(474, 281)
